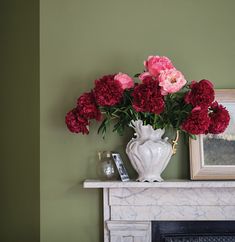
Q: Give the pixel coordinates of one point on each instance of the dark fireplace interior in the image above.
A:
(193, 231)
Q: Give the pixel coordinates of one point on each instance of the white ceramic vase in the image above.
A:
(148, 152)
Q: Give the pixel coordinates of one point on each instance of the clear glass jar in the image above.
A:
(106, 168)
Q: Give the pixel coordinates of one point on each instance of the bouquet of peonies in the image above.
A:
(161, 97)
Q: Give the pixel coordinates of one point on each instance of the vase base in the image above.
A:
(150, 179)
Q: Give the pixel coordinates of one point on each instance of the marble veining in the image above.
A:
(150, 213)
(172, 196)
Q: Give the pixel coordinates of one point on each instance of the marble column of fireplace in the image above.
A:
(129, 207)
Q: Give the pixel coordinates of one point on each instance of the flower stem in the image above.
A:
(155, 121)
(145, 118)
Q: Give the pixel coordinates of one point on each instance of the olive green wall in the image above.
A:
(82, 40)
(19, 122)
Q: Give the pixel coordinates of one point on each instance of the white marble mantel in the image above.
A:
(129, 207)
(165, 184)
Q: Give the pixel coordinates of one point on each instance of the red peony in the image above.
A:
(219, 119)
(76, 123)
(197, 122)
(145, 77)
(108, 92)
(202, 94)
(87, 107)
(119, 98)
(147, 97)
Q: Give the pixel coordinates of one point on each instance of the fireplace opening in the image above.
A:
(193, 231)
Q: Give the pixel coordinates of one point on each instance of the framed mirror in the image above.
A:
(212, 156)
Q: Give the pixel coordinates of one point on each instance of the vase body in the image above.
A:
(148, 152)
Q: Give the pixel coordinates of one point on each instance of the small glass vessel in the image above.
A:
(106, 168)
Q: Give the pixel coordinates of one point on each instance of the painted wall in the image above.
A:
(19, 122)
(82, 40)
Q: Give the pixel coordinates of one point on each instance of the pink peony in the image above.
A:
(156, 64)
(145, 75)
(171, 81)
(125, 81)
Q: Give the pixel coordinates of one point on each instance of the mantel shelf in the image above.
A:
(164, 184)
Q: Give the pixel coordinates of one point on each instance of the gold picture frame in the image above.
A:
(212, 157)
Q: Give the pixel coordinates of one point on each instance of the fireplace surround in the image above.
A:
(130, 209)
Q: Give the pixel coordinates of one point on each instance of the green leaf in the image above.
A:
(103, 127)
(193, 136)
